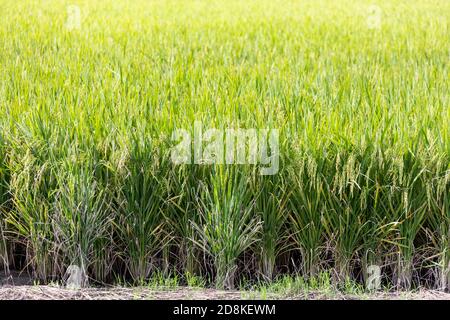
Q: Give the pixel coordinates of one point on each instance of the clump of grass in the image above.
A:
(227, 227)
(270, 205)
(307, 209)
(82, 220)
(4, 203)
(140, 203)
(162, 281)
(193, 281)
(182, 215)
(32, 187)
(438, 194)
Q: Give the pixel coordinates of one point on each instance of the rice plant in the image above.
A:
(90, 96)
(227, 228)
(182, 215)
(140, 200)
(4, 199)
(307, 210)
(439, 224)
(271, 205)
(32, 187)
(82, 219)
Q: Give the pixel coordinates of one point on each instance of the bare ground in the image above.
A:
(40, 292)
(20, 288)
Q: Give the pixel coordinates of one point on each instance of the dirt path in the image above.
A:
(138, 293)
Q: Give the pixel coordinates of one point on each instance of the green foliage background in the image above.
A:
(86, 117)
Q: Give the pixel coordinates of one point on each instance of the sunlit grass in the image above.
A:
(86, 117)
